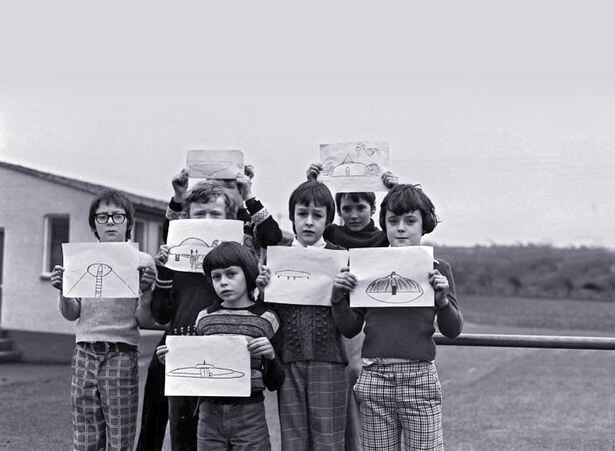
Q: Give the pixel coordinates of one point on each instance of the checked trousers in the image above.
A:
(400, 398)
(105, 399)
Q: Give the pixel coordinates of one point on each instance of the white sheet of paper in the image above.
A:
(212, 365)
(100, 270)
(354, 166)
(392, 277)
(191, 239)
(302, 275)
(214, 164)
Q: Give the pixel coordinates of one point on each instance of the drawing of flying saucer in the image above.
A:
(394, 289)
(211, 168)
(189, 246)
(293, 274)
(205, 371)
(350, 168)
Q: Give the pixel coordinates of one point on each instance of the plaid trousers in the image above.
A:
(400, 398)
(105, 399)
(312, 406)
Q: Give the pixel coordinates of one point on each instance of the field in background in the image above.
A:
(494, 398)
(533, 271)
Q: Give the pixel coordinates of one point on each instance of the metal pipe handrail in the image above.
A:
(528, 341)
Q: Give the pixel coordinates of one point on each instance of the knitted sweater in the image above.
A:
(402, 332)
(370, 236)
(107, 319)
(255, 321)
(308, 332)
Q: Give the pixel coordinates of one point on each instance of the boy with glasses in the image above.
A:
(105, 384)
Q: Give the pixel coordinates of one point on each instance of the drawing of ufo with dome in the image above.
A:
(350, 168)
(192, 251)
(394, 289)
(211, 169)
(206, 371)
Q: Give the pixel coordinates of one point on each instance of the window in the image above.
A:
(140, 234)
(56, 233)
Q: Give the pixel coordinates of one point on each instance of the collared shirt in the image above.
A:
(320, 243)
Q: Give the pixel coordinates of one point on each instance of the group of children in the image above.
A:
(381, 375)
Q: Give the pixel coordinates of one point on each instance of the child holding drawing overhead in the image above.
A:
(398, 390)
(233, 422)
(312, 400)
(180, 296)
(104, 385)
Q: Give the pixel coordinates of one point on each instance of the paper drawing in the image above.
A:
(394, 288)
(392, 277)
(354, 166)
(189, 249)
(205, 371)
(214, 164)
(212, 365)
(302, 275)
(189, 240)
(293, 274)
(100, 270)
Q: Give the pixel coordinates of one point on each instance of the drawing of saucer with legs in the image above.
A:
(394, 289)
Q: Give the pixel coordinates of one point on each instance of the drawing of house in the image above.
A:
(38, 212)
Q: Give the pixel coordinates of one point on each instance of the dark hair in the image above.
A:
(406, 198)
(312, 191)
(230, 253)
(206, 191)
(112, 196)
(368, 197)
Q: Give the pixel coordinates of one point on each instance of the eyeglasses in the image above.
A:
(116, 218)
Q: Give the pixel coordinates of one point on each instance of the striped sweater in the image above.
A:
(253, 322)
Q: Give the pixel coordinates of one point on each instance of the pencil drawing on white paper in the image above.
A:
(209, 169)
(350, 168)
(394, 288)
(99, 271)
(193, 250)
(206, 371)
(293, 274)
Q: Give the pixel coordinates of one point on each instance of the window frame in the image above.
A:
(47, 224)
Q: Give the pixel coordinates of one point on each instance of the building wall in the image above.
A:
(29, 302)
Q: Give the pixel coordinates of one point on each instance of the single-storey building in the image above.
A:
(38, 212)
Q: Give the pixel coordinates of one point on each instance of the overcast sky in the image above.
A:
(504, 113)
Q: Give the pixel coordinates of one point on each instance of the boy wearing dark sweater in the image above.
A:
(398, 390)
(312, 400)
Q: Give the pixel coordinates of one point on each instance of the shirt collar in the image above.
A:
(320, 243)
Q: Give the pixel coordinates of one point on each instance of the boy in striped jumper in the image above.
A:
(228, 422)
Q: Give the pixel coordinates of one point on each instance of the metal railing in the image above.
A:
(528, 341)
